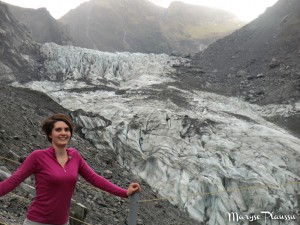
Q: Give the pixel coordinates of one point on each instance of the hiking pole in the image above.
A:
(133, 208)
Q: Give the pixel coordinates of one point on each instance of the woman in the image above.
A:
(56, 170)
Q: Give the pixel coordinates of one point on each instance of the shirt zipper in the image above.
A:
(63, 167)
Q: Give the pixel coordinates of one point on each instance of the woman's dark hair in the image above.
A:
(48, 124)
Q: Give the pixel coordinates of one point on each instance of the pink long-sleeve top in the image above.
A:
(54, 184)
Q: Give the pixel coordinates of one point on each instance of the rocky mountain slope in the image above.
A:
(42, 26)
(17, 49)
(191, 28)
(140, 26)
(259, 62)
(131, 25)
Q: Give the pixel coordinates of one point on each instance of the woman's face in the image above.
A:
(60, 134)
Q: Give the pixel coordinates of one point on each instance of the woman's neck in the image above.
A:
(60, 150)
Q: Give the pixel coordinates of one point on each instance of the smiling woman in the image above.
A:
(56, 171)
(244, 9)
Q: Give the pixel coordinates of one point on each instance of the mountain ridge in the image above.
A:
(133, 26)
(160, 37)
(18, 49)
(257, 62)
(37, 20)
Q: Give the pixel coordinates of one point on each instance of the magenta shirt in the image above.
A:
(54, 184)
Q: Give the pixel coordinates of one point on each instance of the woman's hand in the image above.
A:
(133, 187)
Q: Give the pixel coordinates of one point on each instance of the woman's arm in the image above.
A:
(24, 171)
(100, 182)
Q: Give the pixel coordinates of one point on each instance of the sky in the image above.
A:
(246, 10)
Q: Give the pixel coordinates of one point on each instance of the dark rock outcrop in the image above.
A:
(130, 25)
(191, 28)
(259, 62)
(17, 49)
(42, 26)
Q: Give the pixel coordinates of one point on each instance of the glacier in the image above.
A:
(208, 154)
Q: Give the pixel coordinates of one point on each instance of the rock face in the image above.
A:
(259, 62)
(42, 26)
(131, 25)
(140, 26)
(17, 49)
(202, 151)
(191, 28)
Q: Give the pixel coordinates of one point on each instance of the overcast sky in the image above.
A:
(246, 10)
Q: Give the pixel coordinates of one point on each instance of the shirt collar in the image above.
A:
(52, 151)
